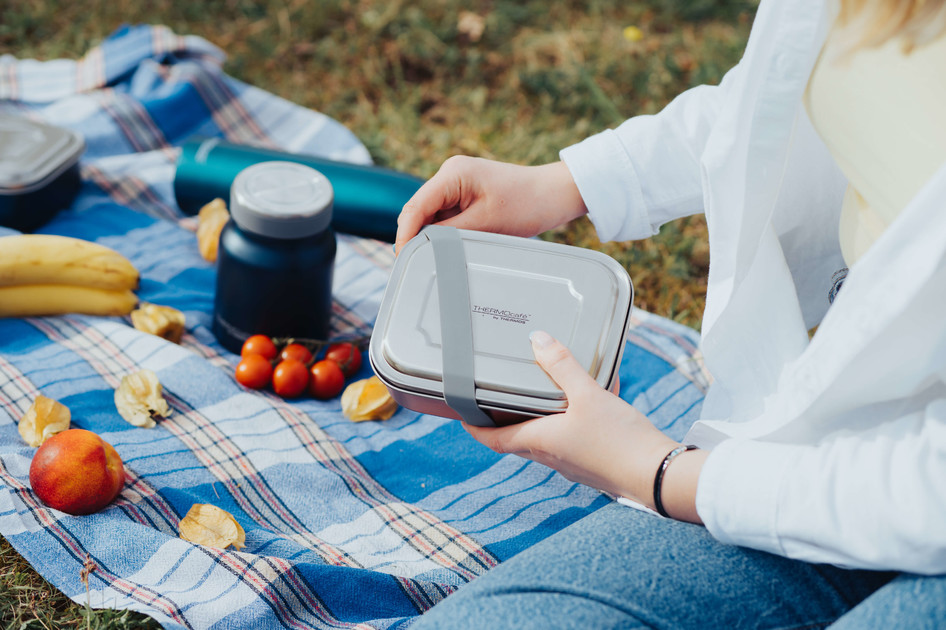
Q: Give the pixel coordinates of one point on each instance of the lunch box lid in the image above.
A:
(33, 154)
(516, 285)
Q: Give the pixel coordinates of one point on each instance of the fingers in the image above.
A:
(559, 363)
(432, 197)
(463, 220)
(519, 439)
(441, 192)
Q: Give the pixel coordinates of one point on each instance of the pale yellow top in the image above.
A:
(882, 114)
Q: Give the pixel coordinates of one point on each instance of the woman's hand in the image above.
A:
(478, 194)
(600, 441)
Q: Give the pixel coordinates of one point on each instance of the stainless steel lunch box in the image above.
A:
(452, 334)
(39, 171)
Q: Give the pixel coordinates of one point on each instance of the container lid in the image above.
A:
(516, 285)
(32, 154)
(281, 200)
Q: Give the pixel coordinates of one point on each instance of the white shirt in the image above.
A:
(830, 451)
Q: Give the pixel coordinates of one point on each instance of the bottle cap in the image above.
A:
(281, 200)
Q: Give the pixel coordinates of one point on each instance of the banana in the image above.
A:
(33, 259)
(42, 274)
(36, 300)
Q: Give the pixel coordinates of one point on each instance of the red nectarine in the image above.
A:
(77, 472)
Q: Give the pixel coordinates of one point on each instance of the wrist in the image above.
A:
(558, 183)
(679, 483)
(641, 464)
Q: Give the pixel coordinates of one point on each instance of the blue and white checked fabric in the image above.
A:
(347, 524)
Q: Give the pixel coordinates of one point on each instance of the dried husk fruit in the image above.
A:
(164, 321)
(206, 524)
(368, 399)
(45, 418)
(210, 221)
(139, 399)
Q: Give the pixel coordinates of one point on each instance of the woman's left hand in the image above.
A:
(600, 440)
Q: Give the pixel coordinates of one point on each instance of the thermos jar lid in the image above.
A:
(281, 200)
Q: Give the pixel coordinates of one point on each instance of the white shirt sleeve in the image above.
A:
(635, 178)
(873, 500)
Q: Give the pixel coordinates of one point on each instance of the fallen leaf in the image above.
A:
(633, 34)
(472, 25)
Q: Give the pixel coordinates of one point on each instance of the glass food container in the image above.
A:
(452, 333)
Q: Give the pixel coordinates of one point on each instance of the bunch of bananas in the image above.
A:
(43, 274)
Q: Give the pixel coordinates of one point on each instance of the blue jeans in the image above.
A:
(621, 568)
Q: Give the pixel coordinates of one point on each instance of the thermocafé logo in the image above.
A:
(502, 314)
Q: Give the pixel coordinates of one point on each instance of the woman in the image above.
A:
(820, 471)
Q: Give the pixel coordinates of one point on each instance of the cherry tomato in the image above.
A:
(261, 345)
(290, 378)
(347, 355)
(254, 371)
(296, 351)
(326, 379)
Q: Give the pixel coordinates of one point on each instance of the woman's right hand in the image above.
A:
(599, 440)
(479, 194)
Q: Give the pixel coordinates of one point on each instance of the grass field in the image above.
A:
(418, 82)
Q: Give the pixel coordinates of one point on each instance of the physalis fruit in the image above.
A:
(367, 399)
(209, 525)
(43, 419)
(139, 399)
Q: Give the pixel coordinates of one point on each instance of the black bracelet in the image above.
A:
(659, 478)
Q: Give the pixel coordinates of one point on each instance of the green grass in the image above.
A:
(28, 602)
(417, 87)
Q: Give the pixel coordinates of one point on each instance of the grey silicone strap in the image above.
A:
(456, 325)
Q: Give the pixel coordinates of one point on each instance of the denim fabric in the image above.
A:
(908, 602)
(622, 568)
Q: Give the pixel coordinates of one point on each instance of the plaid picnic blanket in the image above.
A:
(347, 524)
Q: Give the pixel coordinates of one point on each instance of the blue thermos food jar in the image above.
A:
(276, 256)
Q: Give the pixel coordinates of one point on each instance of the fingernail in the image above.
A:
(540, 338)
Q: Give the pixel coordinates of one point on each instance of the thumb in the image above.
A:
(559, 363)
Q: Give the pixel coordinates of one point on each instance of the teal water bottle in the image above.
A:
(368, 199)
